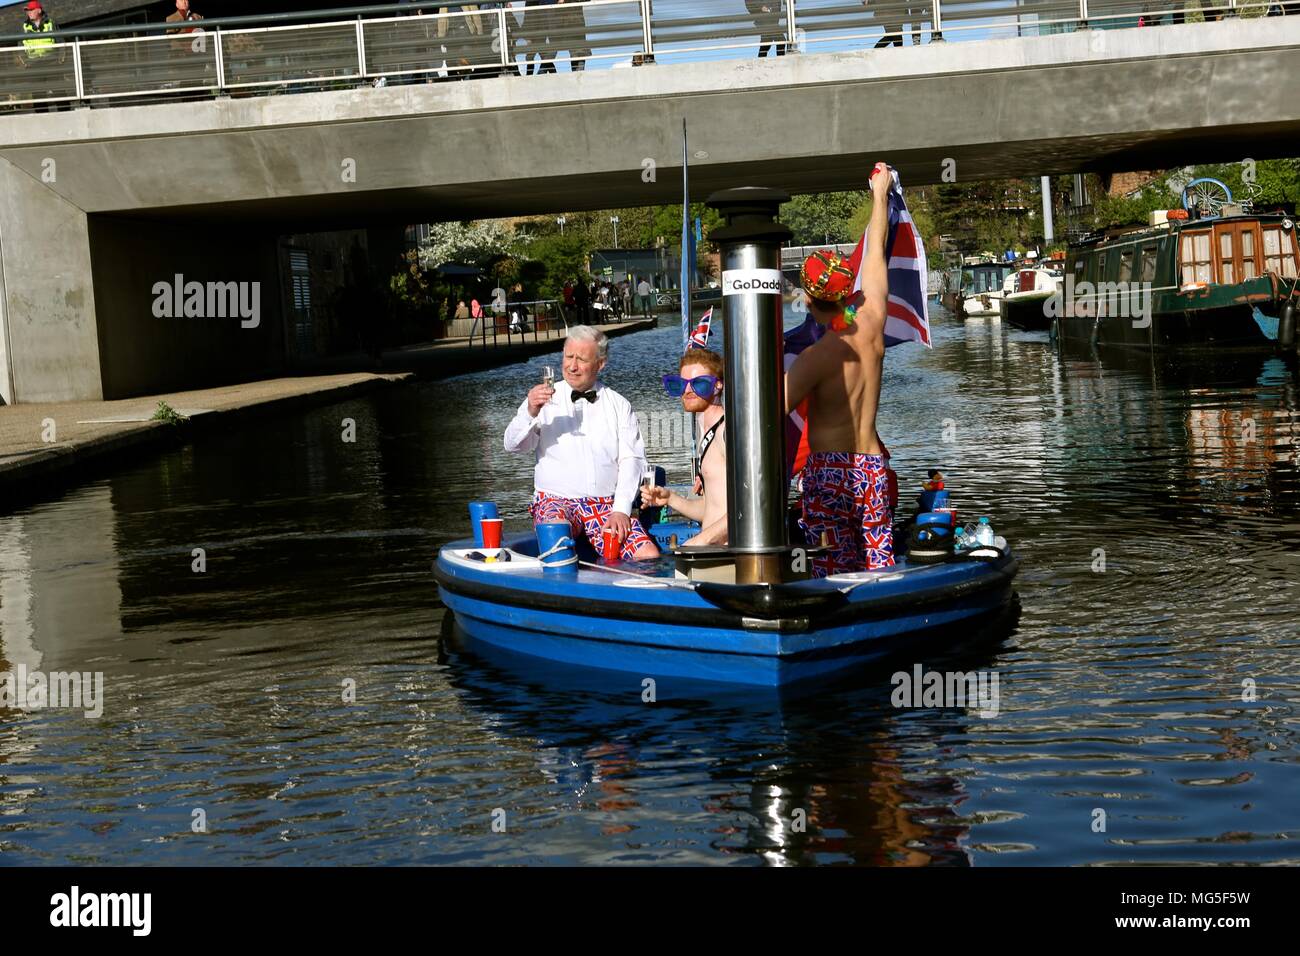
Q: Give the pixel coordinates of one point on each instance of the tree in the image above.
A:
(560, 258)
(918, 205)
(470, 243)
(823, 218)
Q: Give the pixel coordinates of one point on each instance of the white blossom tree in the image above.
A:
(469, 243)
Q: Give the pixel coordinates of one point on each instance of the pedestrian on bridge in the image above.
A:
(184, 14)
(767, 17)
(39, 50)
(536, 30)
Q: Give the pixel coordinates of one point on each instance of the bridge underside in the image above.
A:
(220, 179)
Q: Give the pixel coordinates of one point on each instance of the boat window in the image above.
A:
(1126, 264)
(1149, 263)
(1248, 269)
(1279, 251)
(1101, 266)
(1195, 257)
(1226, 273)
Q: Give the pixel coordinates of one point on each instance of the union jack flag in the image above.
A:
(907, 312)
(700, 337)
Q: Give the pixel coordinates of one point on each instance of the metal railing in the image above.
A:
(536, 314)
(279, 53)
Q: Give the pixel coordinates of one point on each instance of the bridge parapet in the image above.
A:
(287, 53)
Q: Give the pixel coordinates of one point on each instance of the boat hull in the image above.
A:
(594, 619)
(984, 305)
(1027, 312)
(1232, 326)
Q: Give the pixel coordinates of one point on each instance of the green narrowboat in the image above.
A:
(1217, 282)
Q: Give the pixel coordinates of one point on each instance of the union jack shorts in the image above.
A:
(847, 496)
(586, 517)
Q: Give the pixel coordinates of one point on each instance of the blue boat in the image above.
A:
(760, 634)
(749, 613)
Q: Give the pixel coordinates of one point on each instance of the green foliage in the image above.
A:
(824, 218)
(919, 204)
(1278, 180)
(1110, 211)
(1276, 183)
(989, 215)
(552, 260)
(165, 413)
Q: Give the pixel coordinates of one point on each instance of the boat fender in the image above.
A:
(1286, 325)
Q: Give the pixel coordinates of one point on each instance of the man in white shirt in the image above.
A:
(643, 290)
(590, 456)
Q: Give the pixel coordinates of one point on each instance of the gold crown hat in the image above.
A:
(825, 275)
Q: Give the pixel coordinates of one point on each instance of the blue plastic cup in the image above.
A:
(565, 559)
(478, 510)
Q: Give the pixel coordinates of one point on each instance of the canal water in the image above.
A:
(1148, 689)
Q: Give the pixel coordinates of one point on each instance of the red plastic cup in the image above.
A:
(610, 546)
(491, 528)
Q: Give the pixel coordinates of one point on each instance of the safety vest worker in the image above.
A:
(37, 22)
(40, 24)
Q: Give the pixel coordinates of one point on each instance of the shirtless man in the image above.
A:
(700, 384)
(846, 479)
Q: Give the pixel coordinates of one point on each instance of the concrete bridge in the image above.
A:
(99, 206)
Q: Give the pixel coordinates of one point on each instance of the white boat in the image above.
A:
(1024, 298)
(981, 290)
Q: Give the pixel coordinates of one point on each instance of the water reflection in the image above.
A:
(803, 775)
(1156, 506)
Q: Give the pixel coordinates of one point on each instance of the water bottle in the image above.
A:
(1000, 543)
(984, 533)
(964, 538)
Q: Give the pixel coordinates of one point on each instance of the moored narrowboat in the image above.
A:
(981, 290)
(1211, 282)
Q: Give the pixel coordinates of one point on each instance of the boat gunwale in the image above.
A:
(497, 589)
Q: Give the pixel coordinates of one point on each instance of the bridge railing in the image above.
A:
(247, 55)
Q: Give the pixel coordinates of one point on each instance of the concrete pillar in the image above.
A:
(49, 347)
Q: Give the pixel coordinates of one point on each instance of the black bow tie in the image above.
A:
(589, 396)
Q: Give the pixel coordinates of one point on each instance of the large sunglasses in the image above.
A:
(702, 385)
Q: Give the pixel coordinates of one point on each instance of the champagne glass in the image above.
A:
(548, 376)
(647, 482)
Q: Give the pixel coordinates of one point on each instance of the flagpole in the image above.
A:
(685, 283)
(685, 280)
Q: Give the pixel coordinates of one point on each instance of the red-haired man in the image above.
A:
(699, 383)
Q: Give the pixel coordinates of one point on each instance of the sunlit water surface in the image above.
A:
(1156, 509)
